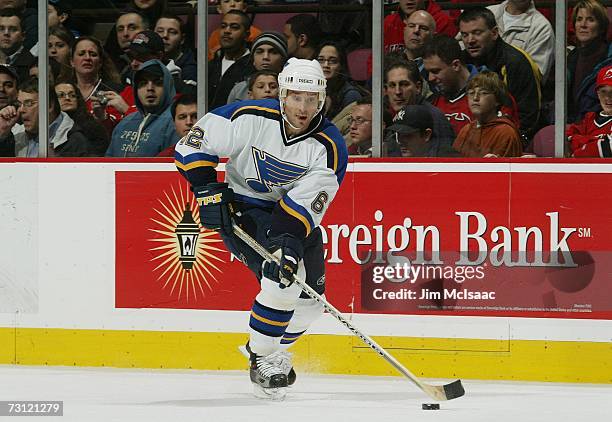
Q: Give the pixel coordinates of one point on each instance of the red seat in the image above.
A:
(544, 142)
(358, 63)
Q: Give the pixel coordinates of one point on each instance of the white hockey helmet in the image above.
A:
(302, 75)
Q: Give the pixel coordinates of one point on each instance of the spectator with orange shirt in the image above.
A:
(491, 133)
(224, 6)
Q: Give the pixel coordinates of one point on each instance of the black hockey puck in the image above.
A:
(430, 406)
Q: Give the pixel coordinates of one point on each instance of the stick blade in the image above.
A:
(454, 390)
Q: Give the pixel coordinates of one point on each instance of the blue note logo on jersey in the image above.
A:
(273, 172)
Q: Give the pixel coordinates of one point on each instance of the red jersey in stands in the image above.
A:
(591, 137)
(456, 110)
(394, 26)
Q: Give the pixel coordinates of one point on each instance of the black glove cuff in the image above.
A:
(288, 241)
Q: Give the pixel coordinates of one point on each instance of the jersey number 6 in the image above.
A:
(318, 205)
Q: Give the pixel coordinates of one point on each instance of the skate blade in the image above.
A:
(274, 394)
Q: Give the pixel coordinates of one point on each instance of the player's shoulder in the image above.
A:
(268, 109)
(332, 140)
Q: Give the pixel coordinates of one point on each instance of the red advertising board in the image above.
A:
(478, 243)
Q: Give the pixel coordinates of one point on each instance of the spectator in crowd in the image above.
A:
(448, 77)
(28, 18)
(263, 84)
(12, 37)
(8, 96)
(232, 64)
(360, 128)
(57, 14)
(171, 29)
(61, 42)
(150, 130)
(65, 139)
(395, 23)
(340, 91)
(53, 74)
(268, 52)
(592, 136)
(412, 130)
(403, 86)
(95, 75)
(129, 23)
(71, 102)
(521, 25)
(303, 34)
(8, 85)
(185, 114)
(224, 6)
(150, 9)
(491, 134)
(592, 53)
(420, 27)
(485, 48)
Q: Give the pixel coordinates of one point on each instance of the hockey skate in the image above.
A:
(268, 376)
(287, 366)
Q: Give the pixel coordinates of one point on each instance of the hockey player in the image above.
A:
(286, 163)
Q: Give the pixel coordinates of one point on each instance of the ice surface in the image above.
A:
(108, 394)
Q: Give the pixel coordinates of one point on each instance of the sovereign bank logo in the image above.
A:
(273, 172)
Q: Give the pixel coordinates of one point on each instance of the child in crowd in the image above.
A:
(491, 133)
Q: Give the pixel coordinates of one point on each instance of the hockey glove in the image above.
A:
(291, 252)
(214, 200)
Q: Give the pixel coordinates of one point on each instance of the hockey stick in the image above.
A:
(441, 393)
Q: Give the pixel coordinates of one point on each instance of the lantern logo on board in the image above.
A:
(187, 255)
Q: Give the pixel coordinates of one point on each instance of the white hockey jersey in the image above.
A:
(297, 178)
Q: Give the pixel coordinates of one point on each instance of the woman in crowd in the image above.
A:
(61, 42)
(97, 80)
(491, 133)
(592, 52)
(340, 91)
(72, 103)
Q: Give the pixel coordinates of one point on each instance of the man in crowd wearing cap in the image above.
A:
(12, 38)
(151, 129)
(412, 130)
(172, 31)
(232, 63)
(592, 136)
(403, 87)
(146, 45)
(269, 52)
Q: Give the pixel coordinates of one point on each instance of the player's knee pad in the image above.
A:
(272, 296)
(306, 312)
